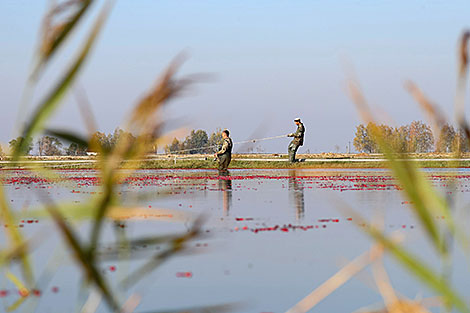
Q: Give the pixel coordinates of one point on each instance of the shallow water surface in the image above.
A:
(270, 237)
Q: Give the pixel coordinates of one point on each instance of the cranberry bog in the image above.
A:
(268, 237)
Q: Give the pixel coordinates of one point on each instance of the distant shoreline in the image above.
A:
(246, 161)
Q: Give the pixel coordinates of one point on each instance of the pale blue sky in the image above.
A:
(272, 61)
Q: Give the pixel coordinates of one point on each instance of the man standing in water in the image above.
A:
(297, 141)
(225, 153)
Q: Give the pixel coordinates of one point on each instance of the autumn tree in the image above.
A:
(120, 134)
(446, 139)
(363, 141)
(101, 140)
(48, 145)
(416, 137)
(461, 142)
(421, 138)
(401, 139)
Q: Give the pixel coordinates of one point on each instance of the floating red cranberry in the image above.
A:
(23, 292)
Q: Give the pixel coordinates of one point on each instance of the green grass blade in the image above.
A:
(50, 103)
(413, 185)
(100, 214)
(17, 238)
(50, 47)
(68, 136)
(92, 273)
(177, 245)
(420, 270)
(221, 308)
(427, 203)
(425, 199)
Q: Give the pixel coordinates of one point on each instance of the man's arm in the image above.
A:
(224, 148)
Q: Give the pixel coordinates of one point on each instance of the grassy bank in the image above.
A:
(246, 161)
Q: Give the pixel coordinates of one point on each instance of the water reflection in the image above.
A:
(225, 185)
(296, 195)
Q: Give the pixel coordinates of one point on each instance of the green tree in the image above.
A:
(17, 141)
(75, 149)
(174, 147)
(196, 142)
(48, 145)
(215, 141)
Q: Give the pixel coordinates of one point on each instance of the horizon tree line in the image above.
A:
(416, 137)
(52, 146)
(198, 141)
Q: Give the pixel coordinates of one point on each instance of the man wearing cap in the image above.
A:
(297, 141)
(225, 153)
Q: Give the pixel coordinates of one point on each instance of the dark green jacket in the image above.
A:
(298, 135)
(226, 147)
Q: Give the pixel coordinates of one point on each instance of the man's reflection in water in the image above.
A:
(296, 194)
(225, 185)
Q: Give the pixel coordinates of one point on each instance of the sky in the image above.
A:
(269, 62)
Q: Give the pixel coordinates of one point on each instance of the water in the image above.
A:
(270, 237)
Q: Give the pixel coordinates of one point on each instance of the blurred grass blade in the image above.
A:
(50, 103)
(415, 186)
(85, 110)
(101, 210)
(22, 290)
(176, 246)
(17, 282)
(434, 114)
(166, 88)
(54, 35)
(16, 238)
(463, 54)
(334, 282)
(16, 304)
(221, 308)
(92, 273)
(419, 269)
(68, 136)
(87, 210)
(461, 82)
(92, 303)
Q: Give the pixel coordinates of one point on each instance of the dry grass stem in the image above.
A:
(435, 116)
(336, 281)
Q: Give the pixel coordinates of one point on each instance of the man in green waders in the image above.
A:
(297, 141)
(225, 154)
